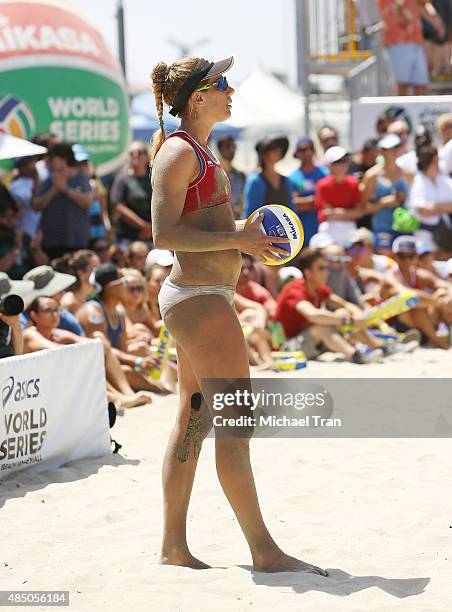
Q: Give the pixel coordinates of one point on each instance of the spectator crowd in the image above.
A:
(377, 223)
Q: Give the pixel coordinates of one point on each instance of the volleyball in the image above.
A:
(280, 221)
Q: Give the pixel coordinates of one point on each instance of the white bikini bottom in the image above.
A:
(171, 294)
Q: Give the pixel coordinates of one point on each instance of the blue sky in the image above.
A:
(256, 32)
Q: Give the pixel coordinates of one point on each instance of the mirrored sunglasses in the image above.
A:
(222, 84)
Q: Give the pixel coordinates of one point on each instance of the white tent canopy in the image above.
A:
(11, 147)
(262, 101)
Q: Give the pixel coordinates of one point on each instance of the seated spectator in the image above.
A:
(64, 200)
(141, 327)
(339, 280)
(136, 254)
(48, 282)
(444, 128)
(402, 38)
(268, 186)
(303, 181)
(116, 255)
(81, 265)
(226, 148)
(252, 290)
(427, 261)
(431, 201)
(254, 319)
(384, 187)
(44, 333)
(103, 316)
(100, 246)
(11, 340)
(155, 275)
(435, 297)
(337, 197)
(365, 267)
(130, 196)
(308, 324)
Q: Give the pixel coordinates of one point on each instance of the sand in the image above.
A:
(375, 513)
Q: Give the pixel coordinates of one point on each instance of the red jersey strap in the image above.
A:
(211, 187)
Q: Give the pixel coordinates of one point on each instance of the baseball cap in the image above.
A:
(362, 234)
(334, 154)
(390, 141)
(404, 244)
(161, 257)
(321, 240)
(203, 70)
(424, 247)
(80, 153)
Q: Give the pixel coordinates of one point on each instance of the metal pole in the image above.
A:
(303, 55)
(121, 37)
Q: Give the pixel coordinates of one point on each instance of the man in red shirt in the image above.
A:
(309, 326)
(337, 197)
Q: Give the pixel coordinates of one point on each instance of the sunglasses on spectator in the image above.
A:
(138, 153)
(135, 288)
(101, 248)
(357, 247)
(407, 255)
(222, 84)
(304, 149)
(321, 268)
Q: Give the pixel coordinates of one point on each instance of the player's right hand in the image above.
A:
(254, 242)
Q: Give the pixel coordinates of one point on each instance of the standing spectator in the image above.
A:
(431, 201)
(328, 137)
(64, 200)
(444, 128)
(226, 148)
(337, 197)
(98, 212)
(131, 198)
(303, 183)
(402, 37)
(23, 188)
(384, 187)
(268, 186)
(436, 46)
(11, 255)
(47, 140)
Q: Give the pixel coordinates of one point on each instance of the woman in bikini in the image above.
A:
(192, 215)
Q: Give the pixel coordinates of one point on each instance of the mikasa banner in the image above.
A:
(53, 408)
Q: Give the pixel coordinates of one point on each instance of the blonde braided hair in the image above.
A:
(166, 82)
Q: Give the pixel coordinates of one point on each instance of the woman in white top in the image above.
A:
(431, 200)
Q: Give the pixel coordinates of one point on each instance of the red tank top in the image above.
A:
(211, 187)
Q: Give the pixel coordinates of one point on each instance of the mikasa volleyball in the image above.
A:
(280, 221)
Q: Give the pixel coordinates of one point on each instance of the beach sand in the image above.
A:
(375, 512)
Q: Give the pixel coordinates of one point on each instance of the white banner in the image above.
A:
(417, 110)
(53, 408)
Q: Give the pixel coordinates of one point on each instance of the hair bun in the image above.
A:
(160, 73)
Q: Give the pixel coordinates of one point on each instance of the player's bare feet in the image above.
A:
(182, 558)
(280, 562)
